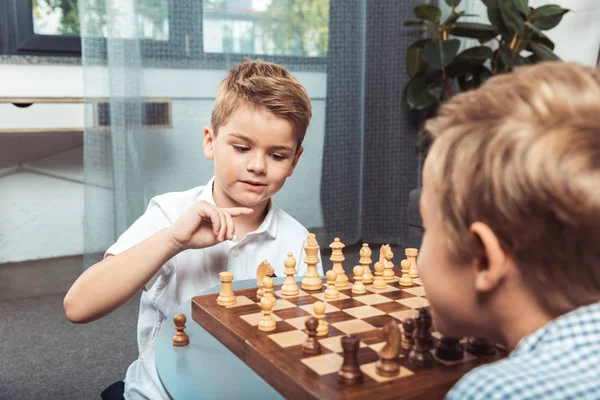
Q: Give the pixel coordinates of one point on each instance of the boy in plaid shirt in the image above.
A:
(511, 211)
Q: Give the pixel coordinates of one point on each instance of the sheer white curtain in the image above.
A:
(151, 72)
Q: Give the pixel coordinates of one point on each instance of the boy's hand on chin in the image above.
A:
(204, 225)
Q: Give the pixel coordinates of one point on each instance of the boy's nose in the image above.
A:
(257, 164)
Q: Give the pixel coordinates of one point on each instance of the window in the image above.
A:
(207, 32)
(269, 27)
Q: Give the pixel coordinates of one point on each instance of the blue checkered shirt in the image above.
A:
(558, 361)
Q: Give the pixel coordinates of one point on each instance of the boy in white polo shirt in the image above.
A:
(177, 248)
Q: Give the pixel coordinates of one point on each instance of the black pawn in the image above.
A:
(312, 345)
(421, 355)
(480, 346)
(350, 373)
(449, 349)
(408, 342)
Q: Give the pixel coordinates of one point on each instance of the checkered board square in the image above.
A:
(277, 355)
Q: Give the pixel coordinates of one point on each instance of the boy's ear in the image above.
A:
(295, 161)
(495, 265)
(209, 141)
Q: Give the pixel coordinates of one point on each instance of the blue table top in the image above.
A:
(206, 369)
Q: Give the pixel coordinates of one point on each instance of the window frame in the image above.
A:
(184, 49)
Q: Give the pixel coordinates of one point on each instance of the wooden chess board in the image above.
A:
(277, 355)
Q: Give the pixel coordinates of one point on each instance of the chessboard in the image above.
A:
(278, 358)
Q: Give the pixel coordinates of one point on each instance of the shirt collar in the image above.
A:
(578, 327)
(269, 224)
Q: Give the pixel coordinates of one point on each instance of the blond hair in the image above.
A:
(264, 85)
(522, 154)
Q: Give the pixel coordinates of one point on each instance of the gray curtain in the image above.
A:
(141, 56)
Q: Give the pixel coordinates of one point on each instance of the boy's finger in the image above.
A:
(230, 226)
(223, 230)
(215, 218)
(235, 211)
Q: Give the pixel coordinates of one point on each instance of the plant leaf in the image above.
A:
(453, 3)
(478, 54)
(420, 94)
(428, 12)
(543, 52)
(522, 6)
(414, 58)
(534, 28)
(494, 10)
(543, 39)
(474, 30)
(548, 16)
(512, 18)
(439, 53)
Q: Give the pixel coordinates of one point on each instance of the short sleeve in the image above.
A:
(152, 221)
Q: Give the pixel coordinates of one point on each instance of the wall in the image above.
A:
(41, 174)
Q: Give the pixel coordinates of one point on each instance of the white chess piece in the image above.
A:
(358, 287)
(319, 311)
(331, 292)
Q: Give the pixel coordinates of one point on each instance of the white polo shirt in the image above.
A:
(193, 271)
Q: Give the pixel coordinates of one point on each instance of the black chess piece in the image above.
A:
(180, 338)
(421, 355)
(480, 346)
(312, 345)
(449, 349)
(350, 373)
(408, 341)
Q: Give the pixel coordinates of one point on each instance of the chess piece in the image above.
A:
(421, 353)
(408, 341)
(388, 365)
(365, 261)
(337, 257)
(331, 292)
(449, 349)
(269, 291)
(311, 280)
(312, 345)
(412, 254)
(350, 373)
(180, 338)
(480, 346)
(319, 311)
(290, 287)
(379, 282)
(264, 269)
(266, 324)
(405, 279)
(427, 323)
(358, 287)
(226, 296)
(385, 258)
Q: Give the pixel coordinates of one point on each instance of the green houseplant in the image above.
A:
(514, 37)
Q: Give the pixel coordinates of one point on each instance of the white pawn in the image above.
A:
(379, 282)
(405, 280)
(290, 287)
(359, 286)
(331, 292)
(268, 289)
(267, 323)
(319, 311)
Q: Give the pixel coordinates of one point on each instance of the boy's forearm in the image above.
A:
(109, 284)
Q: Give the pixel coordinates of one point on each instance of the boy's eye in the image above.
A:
(278, 157)
(241, 149)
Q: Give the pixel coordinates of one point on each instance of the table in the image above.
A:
(206, 368)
